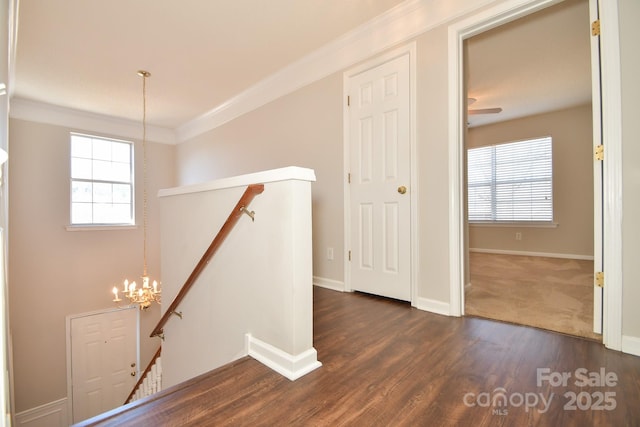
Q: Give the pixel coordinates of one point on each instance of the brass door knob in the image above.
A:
(133, 374)
(402, 189)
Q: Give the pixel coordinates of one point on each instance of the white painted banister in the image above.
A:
(150, 381)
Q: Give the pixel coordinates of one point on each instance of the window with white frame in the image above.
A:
(101, 181)
(511, 182)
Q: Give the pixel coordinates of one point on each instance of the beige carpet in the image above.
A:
(548, 293)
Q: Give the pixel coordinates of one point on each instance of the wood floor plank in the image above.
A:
(385, 363)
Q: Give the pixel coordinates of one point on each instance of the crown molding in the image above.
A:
(399, 24)
(25, 109)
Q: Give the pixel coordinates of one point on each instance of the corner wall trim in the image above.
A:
(52, 414)
(334, 285)
(433, 306)
(288, 365)
(631, 345)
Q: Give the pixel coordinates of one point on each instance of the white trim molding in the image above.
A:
(504, 12)
(631, 345)
(53, 414)
(433, 306)
(25, 109)
(529, 253)
(264, 177)
(288, 365)
(334, 285)
(13, 44)
(610, 73)
(399, 24)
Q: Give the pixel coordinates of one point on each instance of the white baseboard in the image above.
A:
(292, 367)
(322, 282)
(53, 414)
(631, 345)
(527, 253)
(433, 306)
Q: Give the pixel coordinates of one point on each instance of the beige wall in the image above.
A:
(572, 135)
(629, 11)
(302, 129)
(54, 272)
(229, 150)
(433, 157)
(305, 129)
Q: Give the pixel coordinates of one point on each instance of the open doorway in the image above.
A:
(530, 79)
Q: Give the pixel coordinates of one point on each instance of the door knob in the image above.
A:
(402, 189)
(133, 374)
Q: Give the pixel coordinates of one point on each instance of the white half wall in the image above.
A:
(260, 282)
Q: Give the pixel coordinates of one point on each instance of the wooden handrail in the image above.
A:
(144, 375)
(251, 191)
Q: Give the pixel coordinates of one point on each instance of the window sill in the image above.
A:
(101, 227)
(515, 224)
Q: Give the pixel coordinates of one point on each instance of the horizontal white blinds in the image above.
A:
(511, 182)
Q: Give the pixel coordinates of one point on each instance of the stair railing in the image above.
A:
(240, 208)
(144, 375)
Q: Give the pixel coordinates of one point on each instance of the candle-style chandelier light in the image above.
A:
(147, 293)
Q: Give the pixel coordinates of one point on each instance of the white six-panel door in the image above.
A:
(103, 361)
(379, 140)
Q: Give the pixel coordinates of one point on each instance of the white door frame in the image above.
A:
(596, 112)
(94, 313)
(612, 131)
(411, 50)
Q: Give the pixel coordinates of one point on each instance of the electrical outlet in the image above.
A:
(330, 254)
(518, 236)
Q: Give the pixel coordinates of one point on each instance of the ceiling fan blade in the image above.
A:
(485, 111)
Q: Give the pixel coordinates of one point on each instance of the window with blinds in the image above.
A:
(511, 182)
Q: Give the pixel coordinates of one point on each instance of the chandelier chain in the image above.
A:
(148, 292)
(144, 75)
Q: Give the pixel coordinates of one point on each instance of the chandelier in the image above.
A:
(143, 296)
(146, 294)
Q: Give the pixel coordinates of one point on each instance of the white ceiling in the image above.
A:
(538, 63)
(84, 54)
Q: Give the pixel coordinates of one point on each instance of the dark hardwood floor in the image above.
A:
(387, 364)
